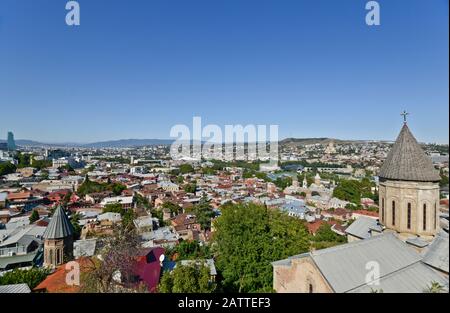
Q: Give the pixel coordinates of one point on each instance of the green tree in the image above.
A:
(7, 168)
(190, 188)
(248, 238)
(348, 190)
(32, 277)
(186, 169)
(189, 250)
(203, 212)
(75, 221)
(128, 215)
(174, 208)
(187, 279)
(325, 233)
(34, 216)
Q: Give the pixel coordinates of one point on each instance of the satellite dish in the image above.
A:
(161, 258)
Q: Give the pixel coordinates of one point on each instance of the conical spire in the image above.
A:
(59, 226)
(407, 161)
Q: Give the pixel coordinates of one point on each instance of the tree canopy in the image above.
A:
(203, 212)
(187, 279)
(248, 238)
(32, 277)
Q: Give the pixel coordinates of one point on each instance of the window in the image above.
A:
(434, 216)
(424, 216)
(408, 224)
(382, 209)
(58, 257)
(311, 288)
(393, 213)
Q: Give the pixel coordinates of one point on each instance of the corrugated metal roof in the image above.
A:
(407, 161)
(59, 226)
(344, 267)
(17, 288)
(84, 247)
(17, 259)
(437, 253)
(415, 278)
(361, 227)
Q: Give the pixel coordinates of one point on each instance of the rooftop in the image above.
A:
(407, 161)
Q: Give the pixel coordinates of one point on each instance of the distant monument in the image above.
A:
(10, 142)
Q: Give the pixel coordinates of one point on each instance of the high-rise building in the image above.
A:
(11, 143)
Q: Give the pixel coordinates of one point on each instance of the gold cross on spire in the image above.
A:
(404, 114)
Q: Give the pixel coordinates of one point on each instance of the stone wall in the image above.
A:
(302, 276)
(418, 195)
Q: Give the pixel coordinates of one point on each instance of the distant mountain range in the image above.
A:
(129, 143)
(122, 143)
(323, 141)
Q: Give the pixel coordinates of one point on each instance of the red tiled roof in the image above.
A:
(56, 282)
(366, 212)
(313, 227)
(19, 195)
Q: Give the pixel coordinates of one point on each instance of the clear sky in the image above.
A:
(134, 68)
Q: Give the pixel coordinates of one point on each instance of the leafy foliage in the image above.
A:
(34, 216)
(324, 233)
(187, 279)
(32, 277)
(174, 208)
(203, 212)
(248, 238)
(186, 169)
(353, 190)
(75, 221)
(89, 186)
(127, 215)
(7, 168)
(190, 188)
(189, 250)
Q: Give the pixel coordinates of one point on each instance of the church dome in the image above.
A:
(407, 161)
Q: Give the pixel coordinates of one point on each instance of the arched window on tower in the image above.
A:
(434, 215)
(382, 210)
(393, 213)
(58, 257)
(408, 223)
(310, 288)
(50, 256)
(424, 216)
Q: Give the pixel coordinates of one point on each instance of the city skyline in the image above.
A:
(312, 67)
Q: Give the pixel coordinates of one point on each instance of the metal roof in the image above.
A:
(361, 227)
(16, 288)
(415, 278)
(59, 226)
(344, 266)
(437, 253)
(407, 161)
(84, 248)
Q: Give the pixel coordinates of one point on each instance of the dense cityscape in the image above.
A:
(134, 220)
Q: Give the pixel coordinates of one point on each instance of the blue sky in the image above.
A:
(135, 68)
